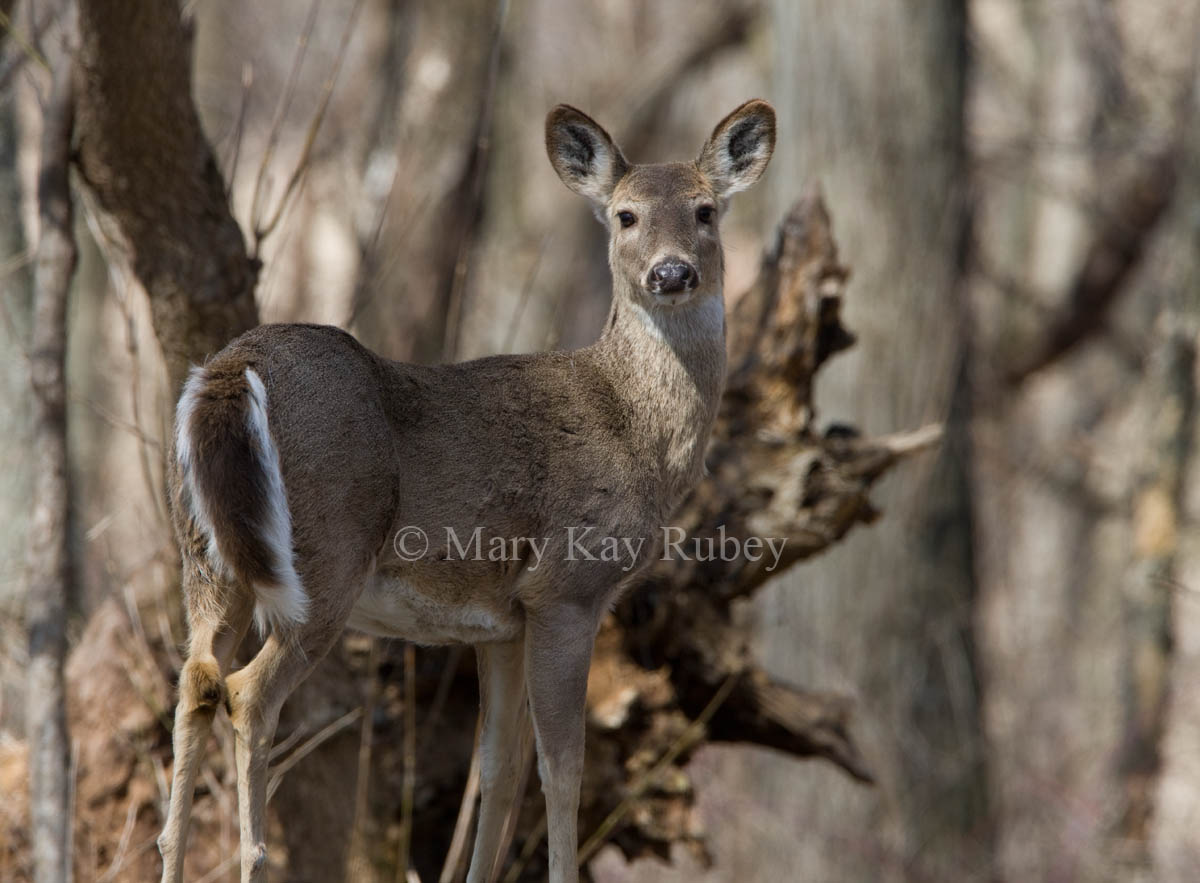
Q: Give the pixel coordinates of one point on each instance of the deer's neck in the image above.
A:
(668, 364)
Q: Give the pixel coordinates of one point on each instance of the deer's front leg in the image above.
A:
(503, 747)
(558, 651)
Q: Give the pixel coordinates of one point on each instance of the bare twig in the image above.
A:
(281, 109)
(118, 861)
(410, 761)
(691, 735)
(220, 870)
(902, 444)
(287, 743)
(457, 853)
(445, 685)
(638, 108)
(525, 752)
(527, 850)
(115, 421)
(239, 128)
(1140, 201)
(476, 174)
(15, 262)
(262, 231)
(358, 845)
(36, 30)
(25, 44)
(150, 465)
(370, 268)
(514, 323)
(318, 739)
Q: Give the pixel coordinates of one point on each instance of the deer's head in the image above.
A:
(663, 219)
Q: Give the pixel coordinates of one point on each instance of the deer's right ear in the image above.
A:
(583, 154)
(739, 148)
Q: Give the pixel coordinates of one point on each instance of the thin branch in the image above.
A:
(1115, 251)
(318, 739)
(25, 44)
(510, 337)
(150, 466)
(366, 743)
(642, 107)
(441, 695)
(408, 788)
(239, 129)
(532, 842)
(281, 109)
(525, 753)
(118, 861)
(688, 738)
(476, 174)
(456, 855)
(262, 231)
(115, 421)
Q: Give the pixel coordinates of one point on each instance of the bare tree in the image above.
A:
(49, 559)
(144, 158)
(879, 99)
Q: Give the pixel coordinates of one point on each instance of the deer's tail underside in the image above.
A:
(232, 485)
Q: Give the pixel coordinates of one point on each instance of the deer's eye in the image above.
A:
(705, 214)
(627, 219)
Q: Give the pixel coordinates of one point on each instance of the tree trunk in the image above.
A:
(1152, 585)
(877, 96)
(49, 559)
(144, 158)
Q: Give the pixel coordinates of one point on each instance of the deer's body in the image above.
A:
(319, 486)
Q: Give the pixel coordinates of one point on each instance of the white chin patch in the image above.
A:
(675, 299)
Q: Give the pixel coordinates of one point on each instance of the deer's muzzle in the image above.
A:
(671, 276)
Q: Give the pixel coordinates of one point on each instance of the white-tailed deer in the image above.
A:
(317, 486)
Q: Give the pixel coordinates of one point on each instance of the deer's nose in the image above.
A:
(672, 275)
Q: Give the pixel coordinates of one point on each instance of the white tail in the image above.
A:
(241, 423)
(284, 604)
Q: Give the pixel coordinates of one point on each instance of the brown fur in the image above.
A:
(226, 469)
(609, 437)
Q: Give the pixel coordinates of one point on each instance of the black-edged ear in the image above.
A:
(583, 154)
(738, 150)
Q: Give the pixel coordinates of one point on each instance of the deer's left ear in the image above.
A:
(739, 148)
(583, 154)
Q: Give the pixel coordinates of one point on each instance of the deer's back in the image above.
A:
(509, 447)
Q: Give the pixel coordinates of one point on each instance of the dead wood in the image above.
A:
(773, 472)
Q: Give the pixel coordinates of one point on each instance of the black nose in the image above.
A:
(672, 275)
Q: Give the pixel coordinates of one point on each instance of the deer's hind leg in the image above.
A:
(257, 692)
(218, 616)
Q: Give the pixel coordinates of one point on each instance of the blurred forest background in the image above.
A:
(1015, 186)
